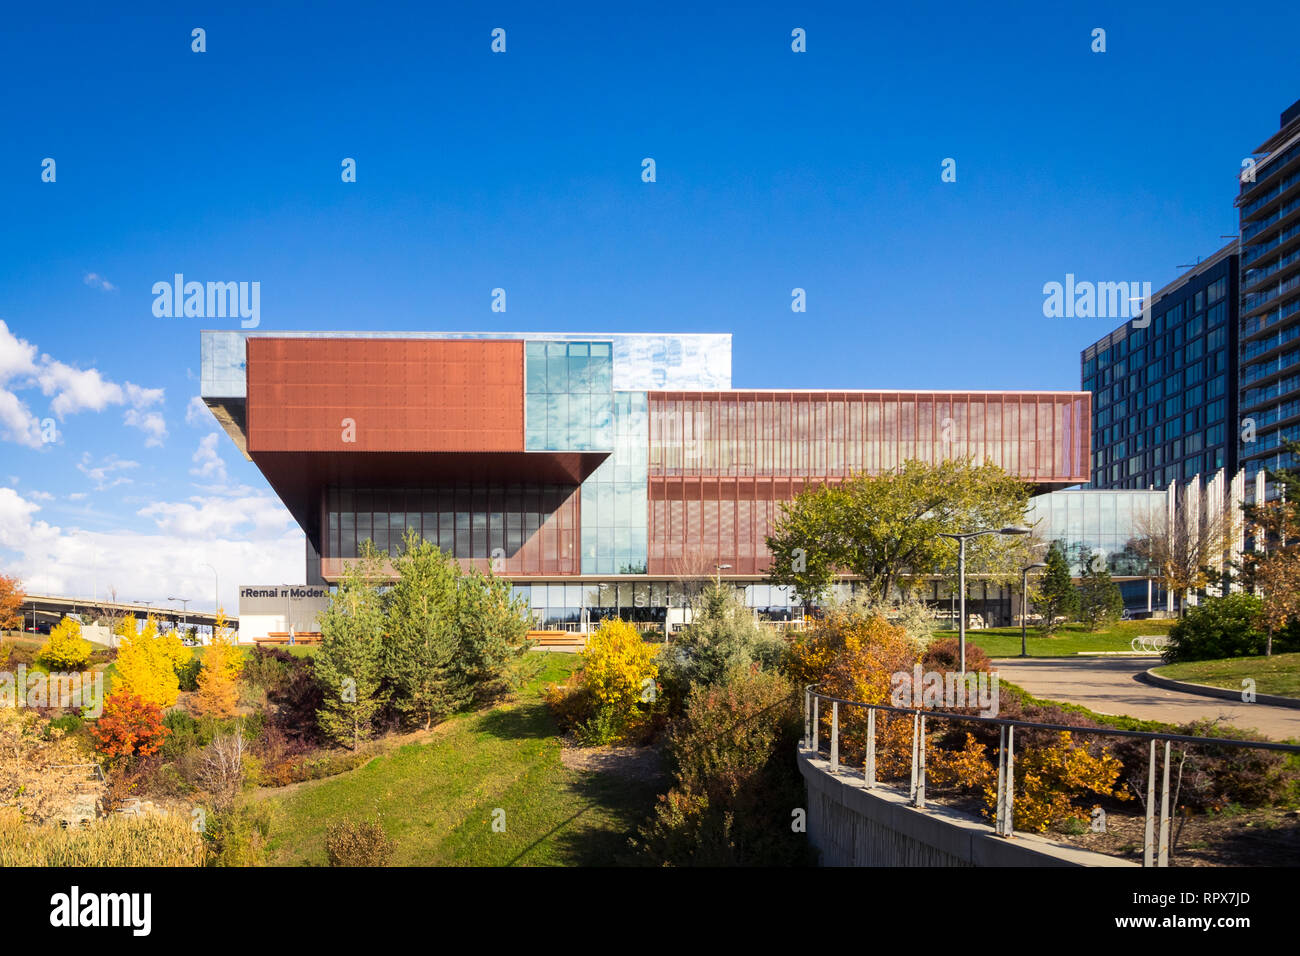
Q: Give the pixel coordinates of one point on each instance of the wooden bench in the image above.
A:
(557, 638)
(282, 637)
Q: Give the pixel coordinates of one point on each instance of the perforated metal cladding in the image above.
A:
(721, 463)
(404, 395)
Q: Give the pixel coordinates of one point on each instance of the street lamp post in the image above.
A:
(185, 609)
(717, 573)
(1024, 600)
(960, 538)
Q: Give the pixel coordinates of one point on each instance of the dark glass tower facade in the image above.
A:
(1164, 395)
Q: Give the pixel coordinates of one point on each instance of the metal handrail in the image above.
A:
(1004, 803)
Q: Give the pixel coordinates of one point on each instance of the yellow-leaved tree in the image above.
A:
(66, 650)
(219, 679)
(147, 662)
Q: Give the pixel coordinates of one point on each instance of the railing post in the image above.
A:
(835, 736)
(807, 717)
(916, 719)
(1149, 843)
(1010, 798)
(1002, 779)
(920, 774)
(816, 732)
(1162, 858)
(870, 775)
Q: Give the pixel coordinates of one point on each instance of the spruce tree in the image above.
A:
(1100, 602)
(422, 665)
(348, 665)
(1056, 595)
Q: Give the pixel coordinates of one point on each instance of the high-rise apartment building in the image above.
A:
(1269, 380)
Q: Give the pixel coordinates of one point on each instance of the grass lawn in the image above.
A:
(436, 798)
(1279, 674)
(1069, 639)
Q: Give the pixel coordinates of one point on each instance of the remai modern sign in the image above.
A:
(298, 602)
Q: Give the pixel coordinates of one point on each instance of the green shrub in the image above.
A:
(1219, 627)
(736, 781)
(187, 674)
(237, 837)
(348, 843)
(723, 638)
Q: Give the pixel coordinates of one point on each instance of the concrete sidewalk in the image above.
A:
(1109, 686)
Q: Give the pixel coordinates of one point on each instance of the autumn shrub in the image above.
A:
(237, 836)
(944, 655)
(33, 756)
(130, 727)
(853, 655)
(351, 843)
(570, 702)
(1051, 781)
(619, 672)
(1208, 778)
(736, 784)
(66, 649)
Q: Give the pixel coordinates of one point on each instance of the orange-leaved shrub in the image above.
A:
(129, 727)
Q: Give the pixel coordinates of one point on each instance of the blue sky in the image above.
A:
(775, 170)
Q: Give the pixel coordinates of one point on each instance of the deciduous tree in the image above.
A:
(11, 602)
(218, 693)
(886, 529)
(66, 649)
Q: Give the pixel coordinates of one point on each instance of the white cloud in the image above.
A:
(151, 423)
(77, 496)
(97, 281)
(72, 389)
(40, 495)
(266, 546)
(208, 463)
(197, 413)
(202, 516)
(105, 474)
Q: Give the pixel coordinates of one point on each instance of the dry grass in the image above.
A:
(161, 840)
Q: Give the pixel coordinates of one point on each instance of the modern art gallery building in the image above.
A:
(599, 473)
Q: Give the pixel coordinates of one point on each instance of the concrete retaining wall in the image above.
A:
(852, 826)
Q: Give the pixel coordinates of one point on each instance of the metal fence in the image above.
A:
(1153, 852)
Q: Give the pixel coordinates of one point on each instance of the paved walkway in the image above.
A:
(1107, 685)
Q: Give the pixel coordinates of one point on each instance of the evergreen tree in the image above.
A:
(1055, 594)
(423, 668)
(1100, 602)
(348, 665)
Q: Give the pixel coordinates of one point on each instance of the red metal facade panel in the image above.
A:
(1041, 437)
(404, 395)
(721, 462)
